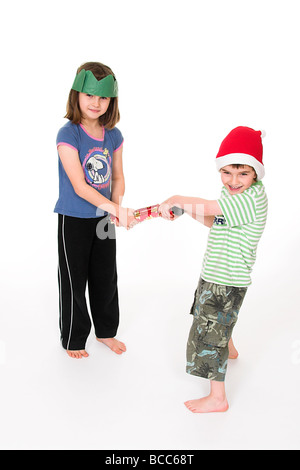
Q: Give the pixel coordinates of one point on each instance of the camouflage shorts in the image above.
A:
(215, 311)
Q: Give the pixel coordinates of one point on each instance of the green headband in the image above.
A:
(86, 82)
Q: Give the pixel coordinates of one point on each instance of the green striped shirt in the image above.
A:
(234, 236)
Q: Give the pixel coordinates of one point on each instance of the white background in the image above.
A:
(188, 73)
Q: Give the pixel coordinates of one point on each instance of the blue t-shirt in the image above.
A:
(96, 158)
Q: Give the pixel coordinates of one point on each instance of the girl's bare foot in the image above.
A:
(78, 354)
(207, 405)
(113, 344)
(233, 353)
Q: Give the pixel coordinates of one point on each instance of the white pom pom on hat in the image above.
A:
(263, 133)
(243, 146)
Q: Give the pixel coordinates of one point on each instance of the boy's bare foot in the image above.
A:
(78, 354)
(233, 353)
(113, 344)
(207, 405)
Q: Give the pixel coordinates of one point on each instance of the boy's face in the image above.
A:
(237, 180)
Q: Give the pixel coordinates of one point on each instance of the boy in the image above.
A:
(237, 221)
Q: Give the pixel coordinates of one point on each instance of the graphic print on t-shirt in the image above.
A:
(220, 220)
(97, 167)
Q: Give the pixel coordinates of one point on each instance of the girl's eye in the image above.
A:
(103, 98)
(90, 96)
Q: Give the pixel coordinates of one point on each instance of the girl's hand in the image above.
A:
(125, 218)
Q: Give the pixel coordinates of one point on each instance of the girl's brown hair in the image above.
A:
(112, 115)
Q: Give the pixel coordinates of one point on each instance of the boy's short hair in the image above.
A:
(240, 165)
(112, 115)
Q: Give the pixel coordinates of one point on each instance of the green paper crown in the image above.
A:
(86, 82)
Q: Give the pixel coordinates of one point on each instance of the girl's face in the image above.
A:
(92, 106)
(237, 180)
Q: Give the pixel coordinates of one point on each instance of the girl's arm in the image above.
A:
(202, 210)
(118, 180)
(72, 166)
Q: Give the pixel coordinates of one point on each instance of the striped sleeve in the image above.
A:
(239, 209)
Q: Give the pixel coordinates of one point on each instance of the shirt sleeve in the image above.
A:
(239, 209)
(117, 139)
(67, 136)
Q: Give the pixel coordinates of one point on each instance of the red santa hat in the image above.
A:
(243, 146)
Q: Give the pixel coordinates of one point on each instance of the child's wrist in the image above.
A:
(110, 207)
(176, 201)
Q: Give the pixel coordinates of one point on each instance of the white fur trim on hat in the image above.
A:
(241, 159)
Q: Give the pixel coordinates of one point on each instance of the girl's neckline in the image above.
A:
(91, 136)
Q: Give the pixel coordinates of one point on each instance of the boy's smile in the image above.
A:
(237, 180)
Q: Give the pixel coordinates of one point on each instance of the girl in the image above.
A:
(91, 184)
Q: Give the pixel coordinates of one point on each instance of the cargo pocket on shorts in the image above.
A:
(218, 329)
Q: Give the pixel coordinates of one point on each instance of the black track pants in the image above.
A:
(86, 260)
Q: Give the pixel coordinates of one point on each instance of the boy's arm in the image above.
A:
(202, 210)
(207, 221)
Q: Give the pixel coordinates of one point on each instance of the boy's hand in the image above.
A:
(166, 209)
